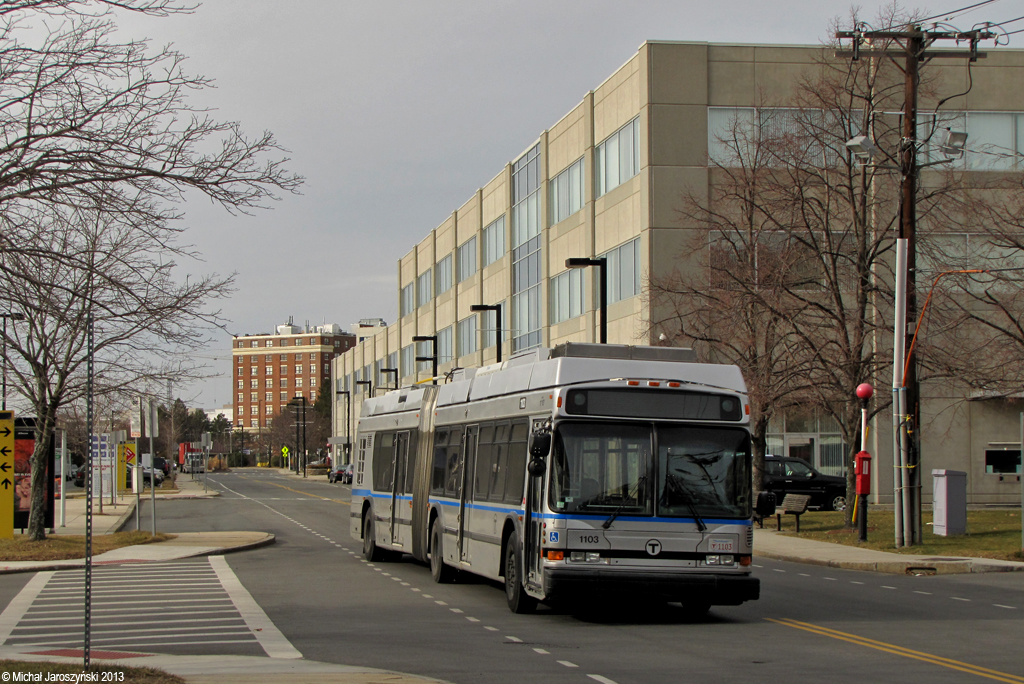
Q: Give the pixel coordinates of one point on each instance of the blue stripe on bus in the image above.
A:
(564, 516)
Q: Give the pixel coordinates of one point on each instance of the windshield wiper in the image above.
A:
(615, 514)
(689, 504)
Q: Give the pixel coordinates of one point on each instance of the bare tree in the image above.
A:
(144, 321)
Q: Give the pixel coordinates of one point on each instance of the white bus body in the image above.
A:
(643, 476)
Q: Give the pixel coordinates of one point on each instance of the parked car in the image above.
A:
(784, 475)
(163, 465)
(342, 473)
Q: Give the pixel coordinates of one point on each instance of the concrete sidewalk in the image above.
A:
(771, 544)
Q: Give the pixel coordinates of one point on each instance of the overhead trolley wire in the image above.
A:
(950, 15)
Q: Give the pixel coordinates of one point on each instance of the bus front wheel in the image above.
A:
(518, 600)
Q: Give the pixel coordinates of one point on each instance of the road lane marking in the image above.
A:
(957, 598)
(830, 579)
(542, 651)
(490, 629)
(266, 632)
(885, 587)
(774, 569)
(567, 663)
(441, 603)
(514, 639)
(456, 610)
(924, 593)
(1000, 605)
(852, 582)
(605, 680)
(803, 574)
(900, 651)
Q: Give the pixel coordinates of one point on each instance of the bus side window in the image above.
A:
(483, 463)
(499, 464)
(437, 476)
(516, 476)
(383, 466)
(453, 468)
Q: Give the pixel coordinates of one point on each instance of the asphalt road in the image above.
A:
(812, 624)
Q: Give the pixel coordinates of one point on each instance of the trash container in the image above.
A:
(949, 502)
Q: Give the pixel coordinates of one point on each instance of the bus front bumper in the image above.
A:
(711, 588)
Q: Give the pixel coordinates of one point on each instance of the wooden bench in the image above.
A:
(793, 504)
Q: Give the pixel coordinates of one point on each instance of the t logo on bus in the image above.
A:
(653, 547)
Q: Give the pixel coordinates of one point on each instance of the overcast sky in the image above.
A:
(396, 112)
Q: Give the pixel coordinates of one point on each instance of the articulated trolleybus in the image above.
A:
(566, 472)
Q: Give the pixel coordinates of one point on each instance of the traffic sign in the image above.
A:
(6, 474)
(284, 451)
(129, 453)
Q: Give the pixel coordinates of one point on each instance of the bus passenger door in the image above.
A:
(535, 510)
(468, 474)
(398, 486)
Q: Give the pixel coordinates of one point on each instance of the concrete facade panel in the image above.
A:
(678, 73)
(672, 188)
(682, 135)
(731, 84)
(617, 100)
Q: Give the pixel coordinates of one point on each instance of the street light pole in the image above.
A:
(496, 308)
(602, 264)
(389, 371)
(433, 356)
(348, 423)
(14, 316)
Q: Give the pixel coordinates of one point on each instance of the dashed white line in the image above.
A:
(416, 589)
(454, 610)
(427, 596)
(603, 680)
(542, 651)
(830, 579)
(853, 582)
(803, 574)
(957, 598)
(925, 593)
(441, 603)
(405, 584)
(490, 629)
(1000, 605)
(567, 663)
(472, 619)
(514, 639)
(887, 587)
(774, 569)
(758, 566)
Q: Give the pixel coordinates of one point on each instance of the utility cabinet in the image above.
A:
(949, 502)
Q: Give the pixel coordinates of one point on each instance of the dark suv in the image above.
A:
(785, 475)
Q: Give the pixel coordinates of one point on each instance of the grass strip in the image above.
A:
(66, 547)
(132, 675)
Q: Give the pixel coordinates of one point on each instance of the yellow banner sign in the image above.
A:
(6, 474)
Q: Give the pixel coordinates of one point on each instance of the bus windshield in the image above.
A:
(707, 469)
(601, 468)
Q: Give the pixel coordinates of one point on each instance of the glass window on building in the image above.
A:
(467, 335)
(407, 301)
(566, 192)
(991, 140)
(445, 348)
(443, 275)
(623, 271)
(467, 258)
(567, 295)
(526, 251)
(424, 293)
(618, 157)
(393, 363)
(494, 241)
(408, 361)
(811, 435)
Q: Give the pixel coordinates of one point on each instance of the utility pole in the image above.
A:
(913, 45)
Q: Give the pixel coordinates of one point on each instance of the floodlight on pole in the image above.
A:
(862, 148)
(954, 145)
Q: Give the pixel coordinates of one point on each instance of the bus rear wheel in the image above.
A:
(371, 551)
(443, 574)
(518, 600)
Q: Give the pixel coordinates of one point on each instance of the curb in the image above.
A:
(919, 566)
(123, 520)
(80, 562)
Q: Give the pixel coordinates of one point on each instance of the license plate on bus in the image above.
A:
(721, 545)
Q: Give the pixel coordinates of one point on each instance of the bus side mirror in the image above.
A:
(540, 444)
(765, 504)
(535, 467)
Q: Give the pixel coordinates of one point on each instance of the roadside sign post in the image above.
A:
(6, 474)
(154, 431)
(63, 475)
(284, 455)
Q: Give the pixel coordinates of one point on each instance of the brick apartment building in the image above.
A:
(272, 369)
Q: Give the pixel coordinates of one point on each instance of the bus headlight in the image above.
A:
(585, 557)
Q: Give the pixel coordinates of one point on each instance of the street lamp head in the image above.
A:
(581, 262)
(424, 338)
(954, 145)
(484, 307)
(861, 147)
